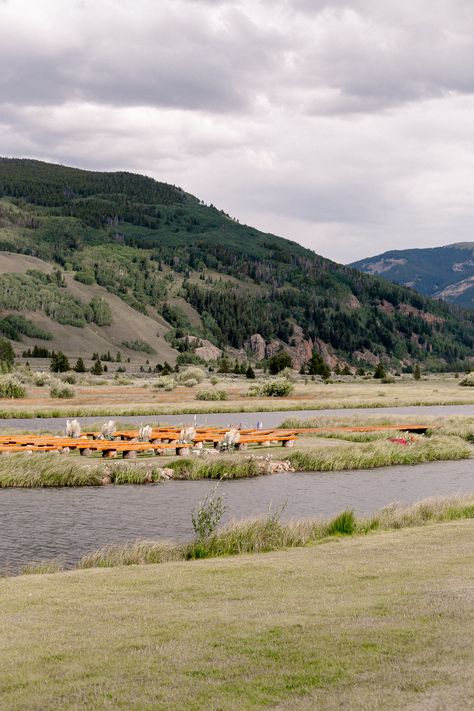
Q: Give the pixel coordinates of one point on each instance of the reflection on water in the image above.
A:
(65, 523)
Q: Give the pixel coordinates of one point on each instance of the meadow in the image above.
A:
(147, 395)
(377, 621)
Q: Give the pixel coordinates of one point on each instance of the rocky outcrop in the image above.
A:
(206, 350)
(256, 345)
(366, 357)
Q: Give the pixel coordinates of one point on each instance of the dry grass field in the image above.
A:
(141, 397)
(367, 623)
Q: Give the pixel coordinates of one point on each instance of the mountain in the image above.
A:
(92, 261)
(441, 272)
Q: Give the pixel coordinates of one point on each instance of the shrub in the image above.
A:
(60, 390)
(208, 515)
(190, 383)
(276, 388)
(211, 395)
(165, 383)
(69, 379)
(138, 345)
(11, 387)
(195, 374)
(468, 380)
(40, 379)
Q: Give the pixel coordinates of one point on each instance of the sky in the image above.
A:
(345, 126)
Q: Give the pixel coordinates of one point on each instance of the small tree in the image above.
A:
(317, 366)
(250, 373)
(7, 354)
(80, 366)
(208, 515)
(223, 366)
(417, 372)
(380, 371)
(97, 368)
(59, 363)
(279, 362)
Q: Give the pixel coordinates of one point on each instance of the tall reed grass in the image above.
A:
(369, 455)
(270, 533)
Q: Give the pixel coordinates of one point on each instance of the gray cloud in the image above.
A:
(346, 125)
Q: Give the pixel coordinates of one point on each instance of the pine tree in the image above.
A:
(7, 354)
(380, 371)
(417, 372)
(250, 373)
(59, 363)
(80, 366)
(97, 368)
(317, 366)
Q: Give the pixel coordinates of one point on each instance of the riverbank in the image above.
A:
(53, 470)
(365, 622)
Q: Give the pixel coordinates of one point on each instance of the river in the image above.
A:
(40, 524)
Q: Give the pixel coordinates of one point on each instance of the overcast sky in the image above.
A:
(346, 126)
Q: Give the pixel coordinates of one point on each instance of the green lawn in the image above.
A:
(383, 621)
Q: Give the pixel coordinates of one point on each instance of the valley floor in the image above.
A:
(141, 397)
(383, 621)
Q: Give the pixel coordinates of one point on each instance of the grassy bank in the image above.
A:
(379, 453)
(268, 405)
(44, 470)
(266, 534)
(372, 622)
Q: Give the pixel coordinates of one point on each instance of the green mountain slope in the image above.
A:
(193, 270)
(442, 272)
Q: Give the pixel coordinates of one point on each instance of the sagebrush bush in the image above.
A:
(195, 374)
(165, 382)
(190, 383)
(211, 395)
(69, 379)
(273, 388)
(60, 390)
(468, 380)
(11, 387)
(40, 379)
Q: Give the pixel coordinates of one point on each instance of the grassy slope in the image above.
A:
(379, 622)
(127, 323)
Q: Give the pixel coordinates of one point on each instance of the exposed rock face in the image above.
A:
(256, 344)
(408, 310)
(353, 302)
(366, 357)
(273, 348)
(325, 353)
(207, 350)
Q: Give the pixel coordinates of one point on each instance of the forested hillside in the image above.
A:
(443, 272)
(198, 272)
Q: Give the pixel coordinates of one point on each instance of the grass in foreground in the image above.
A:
(374, 622)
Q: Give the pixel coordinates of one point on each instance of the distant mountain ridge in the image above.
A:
(102, 260)
(441, 272)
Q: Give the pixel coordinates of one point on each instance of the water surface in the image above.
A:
(66, 523)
